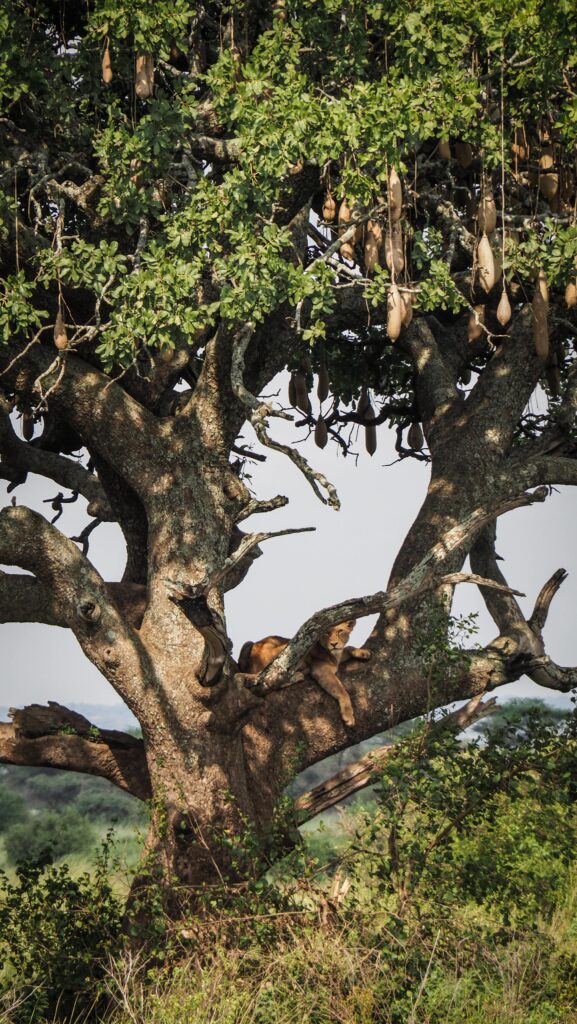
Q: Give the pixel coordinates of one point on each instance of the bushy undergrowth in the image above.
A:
(56, 933)
(454, 899)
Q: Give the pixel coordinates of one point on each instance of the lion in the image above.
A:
(321, 662)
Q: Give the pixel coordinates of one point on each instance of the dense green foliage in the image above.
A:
(12, 808)
(55, 832)
(55, 933)
(64, 812)
(337, 88)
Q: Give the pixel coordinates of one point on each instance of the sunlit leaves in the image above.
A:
(18, 315)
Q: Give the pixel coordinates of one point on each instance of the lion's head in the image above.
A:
(337, 637)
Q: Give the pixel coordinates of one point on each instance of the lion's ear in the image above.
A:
(352, 623)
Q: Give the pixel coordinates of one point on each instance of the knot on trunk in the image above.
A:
(89, 609)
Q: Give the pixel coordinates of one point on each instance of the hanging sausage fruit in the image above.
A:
(347, 251)
(394, 313)
(373, 242)
(144, 76)
(321, 433)
(486, 263)
(540, 307)
(370, 430)
(106, 66)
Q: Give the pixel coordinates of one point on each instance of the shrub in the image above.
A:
(57, 834)
(12, 808)
(55, 934)
(110, 804)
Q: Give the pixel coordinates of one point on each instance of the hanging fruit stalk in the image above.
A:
(487, 213)
(60, 333)
(321, 433)
(540, 307)
(486, 263)
(106, 66)
(394, 313)
(373, 242)
(144, 76)
(415, 438)
(476, 322)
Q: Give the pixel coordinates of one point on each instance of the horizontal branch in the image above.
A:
(254, 506)
(545, 672)
(25, 599)
(118, 757)
(248, 542)
(220, 150)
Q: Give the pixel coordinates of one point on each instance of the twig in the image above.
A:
(260, 412)
(253, 507)
(83, 537)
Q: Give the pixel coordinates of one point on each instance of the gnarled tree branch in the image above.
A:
(81, 600)
(426, 575)
(117, 757)
(502, 607)
(25, 458)
(99, 410)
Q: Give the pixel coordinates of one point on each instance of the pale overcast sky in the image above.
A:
(350, 554)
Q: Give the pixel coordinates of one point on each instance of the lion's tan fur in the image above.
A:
(321, 662)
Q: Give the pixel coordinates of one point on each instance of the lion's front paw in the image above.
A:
(245, 679)
(362, 654)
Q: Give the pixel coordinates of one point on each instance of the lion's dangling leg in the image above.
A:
(330, 682)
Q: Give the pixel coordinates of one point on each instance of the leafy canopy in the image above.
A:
(346, 87)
